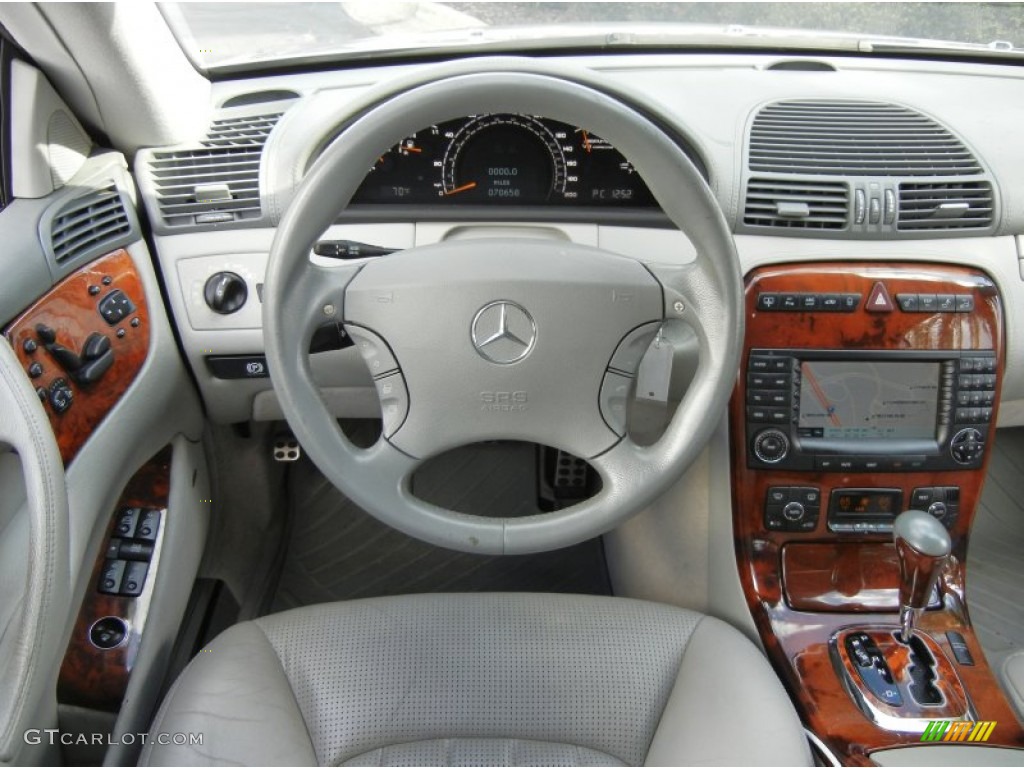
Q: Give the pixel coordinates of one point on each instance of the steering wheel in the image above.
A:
(517, 339)
(34, 595)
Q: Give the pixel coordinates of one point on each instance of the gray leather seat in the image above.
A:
(505, 679)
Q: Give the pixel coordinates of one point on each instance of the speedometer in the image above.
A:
(507, 159)
(502, 161)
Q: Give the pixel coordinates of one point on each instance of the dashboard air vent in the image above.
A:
(956, 205)
(94, 223)
(218, 182)
(796, 204)
(854, 138)
(241, 131)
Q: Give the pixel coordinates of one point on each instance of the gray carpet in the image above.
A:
(995, 558)
(336, 551)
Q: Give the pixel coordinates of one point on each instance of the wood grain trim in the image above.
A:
(797, 641)
(71, 309)
(95, 678)
(840, 577)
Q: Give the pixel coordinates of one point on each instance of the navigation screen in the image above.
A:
(868, 401)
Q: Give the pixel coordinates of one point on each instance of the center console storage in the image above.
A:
(866, 390)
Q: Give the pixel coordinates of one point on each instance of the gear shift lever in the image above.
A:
(922, 546)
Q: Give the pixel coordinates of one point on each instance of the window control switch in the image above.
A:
(127, 519)
(134, 578)
(149, 525)
(111, 577)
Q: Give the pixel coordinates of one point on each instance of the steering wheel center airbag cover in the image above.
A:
(543, 375)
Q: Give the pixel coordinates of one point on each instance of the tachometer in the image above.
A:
(507, 159)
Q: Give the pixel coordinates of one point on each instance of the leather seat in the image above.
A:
(499, 679)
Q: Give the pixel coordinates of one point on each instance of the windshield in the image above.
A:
(238, 34)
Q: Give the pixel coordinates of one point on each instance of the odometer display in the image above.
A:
(504, 160)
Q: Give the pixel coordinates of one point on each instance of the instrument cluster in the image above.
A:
(504, 160)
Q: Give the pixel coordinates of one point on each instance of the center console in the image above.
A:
(866, 390)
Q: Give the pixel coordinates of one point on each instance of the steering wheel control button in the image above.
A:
(111, 576)
(394, 402)
(115, 307)
(225, 293)
(375, 351)
(771, 446)
(108, 633)
(503, 332)
(632, 349)
(614, 399)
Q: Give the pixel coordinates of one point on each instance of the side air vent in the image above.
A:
(796, 204)
(956, 205)
(92, 224)
(854, 138)
(217, 182)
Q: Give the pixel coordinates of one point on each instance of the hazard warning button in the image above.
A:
(878, 299)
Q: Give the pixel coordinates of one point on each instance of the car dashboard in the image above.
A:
(877, 209)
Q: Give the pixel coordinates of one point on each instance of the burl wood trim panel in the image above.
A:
(71, 310)
(797, 641)
(841, 577)
(89, 676)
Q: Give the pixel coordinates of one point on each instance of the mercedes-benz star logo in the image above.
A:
(503, 332)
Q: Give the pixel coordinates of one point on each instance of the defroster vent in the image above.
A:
(854, 138)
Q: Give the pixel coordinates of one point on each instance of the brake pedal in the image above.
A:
(286, 448)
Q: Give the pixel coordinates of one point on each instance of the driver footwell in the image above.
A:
(336, 551)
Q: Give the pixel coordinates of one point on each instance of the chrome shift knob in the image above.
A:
(922, 546)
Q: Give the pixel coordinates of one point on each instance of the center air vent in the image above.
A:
(960, 205)
(217, 182)
(797, 204)
(854, 138)
(90, 225)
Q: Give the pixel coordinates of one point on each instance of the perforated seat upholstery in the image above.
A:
(505, 679)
